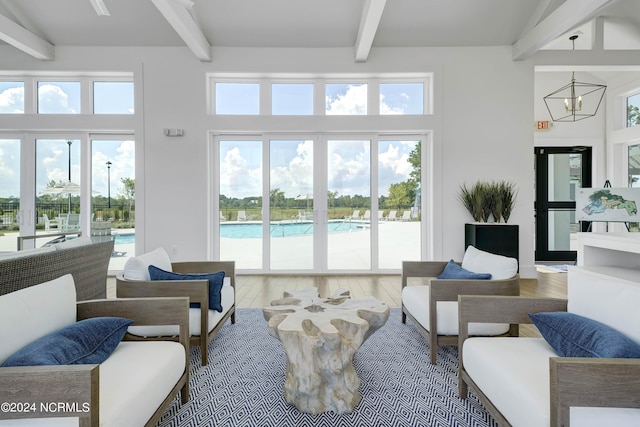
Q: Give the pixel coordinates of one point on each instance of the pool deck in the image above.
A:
(398, 241)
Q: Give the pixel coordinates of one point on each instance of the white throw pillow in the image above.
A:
(500, 267)
(137, 268)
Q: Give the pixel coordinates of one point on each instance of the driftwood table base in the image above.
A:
(320, 337)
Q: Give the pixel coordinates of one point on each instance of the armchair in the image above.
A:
(433, 307)
(523, 381)
(136, 284)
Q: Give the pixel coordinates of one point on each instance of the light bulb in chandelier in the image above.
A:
(572, 105)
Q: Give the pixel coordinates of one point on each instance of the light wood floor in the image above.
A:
(257, 291)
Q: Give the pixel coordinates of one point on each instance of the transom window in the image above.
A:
(343, 96)
(67, 95)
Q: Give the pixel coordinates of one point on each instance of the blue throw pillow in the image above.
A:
(454, 271)
(216, 281)
(572, 335)
(88, 341)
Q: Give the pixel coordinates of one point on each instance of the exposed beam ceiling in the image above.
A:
(371, 15)
(567, 16)
(25, 40)
(176, 12)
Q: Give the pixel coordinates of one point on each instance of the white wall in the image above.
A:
(482, 128)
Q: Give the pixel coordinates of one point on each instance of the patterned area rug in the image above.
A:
(242, 386)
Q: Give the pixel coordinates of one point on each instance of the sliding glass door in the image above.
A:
(320, 214)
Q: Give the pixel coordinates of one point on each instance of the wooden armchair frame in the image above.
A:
(80, 383)
(572, 380)
(449, 290)
(196, 290)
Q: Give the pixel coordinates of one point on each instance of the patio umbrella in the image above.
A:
(64, 188)
(306, 197)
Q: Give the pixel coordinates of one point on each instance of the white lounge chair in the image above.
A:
(367, 215)
(50, 224)
(355, 215)
(72, 223)
(242, 215)
(393, 215)
(222, 217)
(406, 216)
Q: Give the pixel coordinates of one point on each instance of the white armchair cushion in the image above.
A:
(34, 312)
(416, 301)
(137, 268)
(500, 267)
(228, 299)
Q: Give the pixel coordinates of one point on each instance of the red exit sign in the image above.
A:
(542, 125)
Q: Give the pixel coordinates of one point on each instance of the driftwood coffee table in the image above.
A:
(320, 337)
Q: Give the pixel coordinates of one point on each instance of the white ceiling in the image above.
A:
(37, 26)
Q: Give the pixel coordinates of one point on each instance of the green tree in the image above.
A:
(633, 115)
(401, 195)
(414, 159)
(127, 192)
(277, 198)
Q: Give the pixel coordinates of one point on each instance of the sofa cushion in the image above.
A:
(416, 301)
(216, 281)
(137, 268)
(136, 379)
(454, 271)
(572, 335)
(228, 299)
(85, 342)
(34, 312)
(500, 267)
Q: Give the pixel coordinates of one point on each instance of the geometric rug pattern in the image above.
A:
(242, 386)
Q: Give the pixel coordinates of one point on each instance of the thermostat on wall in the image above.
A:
(174, 132)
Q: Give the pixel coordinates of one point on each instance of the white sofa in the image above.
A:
(523, 382)
(132, 387)
(135, 281)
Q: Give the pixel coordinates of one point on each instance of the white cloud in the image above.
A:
(53, 99)
(12, 100)
(352, 102)
(297, 177)
(386, 109)
(237, 179)
(396, 162)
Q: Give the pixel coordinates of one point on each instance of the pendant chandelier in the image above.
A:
(575, 101)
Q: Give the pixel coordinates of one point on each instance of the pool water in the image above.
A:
(284, 229)
(123, 239)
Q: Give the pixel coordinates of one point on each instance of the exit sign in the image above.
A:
(542, 125)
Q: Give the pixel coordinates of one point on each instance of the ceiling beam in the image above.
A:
(567, 16)
(371, 15)
(25, 40)
(176, 12)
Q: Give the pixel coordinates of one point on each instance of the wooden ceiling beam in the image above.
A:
(371, 15)
(567, 16)
(17, 36)
(176, 12)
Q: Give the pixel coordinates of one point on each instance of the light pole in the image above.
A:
(69, 142)
(109, 182)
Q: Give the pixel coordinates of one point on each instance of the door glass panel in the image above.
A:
(398, 203)
(58, 185)
(565, 176)
(291, 204)
(562, 230)
(349, 177)
(9, 193)
(113, 197)
(241, 202)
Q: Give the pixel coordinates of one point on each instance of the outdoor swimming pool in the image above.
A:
(284, 229)
(125, 238)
